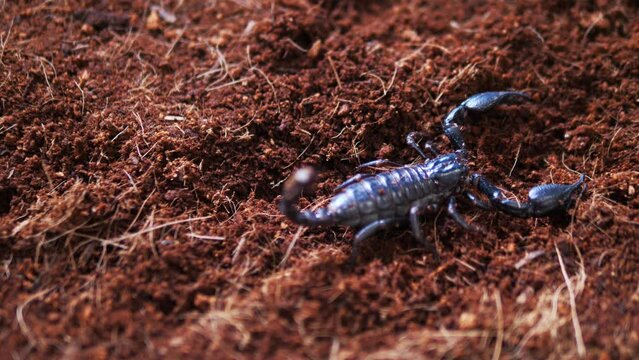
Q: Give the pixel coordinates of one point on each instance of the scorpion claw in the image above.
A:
(486, 100)
(546, 198)
(477, 103)
(454, 213)
(543, 199)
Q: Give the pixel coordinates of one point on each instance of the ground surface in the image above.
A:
(142, 154)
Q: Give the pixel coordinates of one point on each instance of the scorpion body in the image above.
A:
(375, 202)
(388, 195)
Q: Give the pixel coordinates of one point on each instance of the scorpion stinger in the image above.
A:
(375, 202)
(302, 180)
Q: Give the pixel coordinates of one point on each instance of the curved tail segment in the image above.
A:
(302, 180)
(477, 103)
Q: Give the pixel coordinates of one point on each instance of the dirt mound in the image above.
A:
(142, 151)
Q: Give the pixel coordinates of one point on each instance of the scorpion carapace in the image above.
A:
(375, 202)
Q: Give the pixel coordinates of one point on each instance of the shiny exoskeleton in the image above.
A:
(375, 202)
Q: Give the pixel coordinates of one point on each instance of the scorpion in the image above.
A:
(376, 202)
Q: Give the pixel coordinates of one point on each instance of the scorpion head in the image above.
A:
(449, 171)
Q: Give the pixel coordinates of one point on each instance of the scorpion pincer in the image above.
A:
(375, 202)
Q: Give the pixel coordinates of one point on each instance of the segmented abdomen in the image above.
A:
(384, 196)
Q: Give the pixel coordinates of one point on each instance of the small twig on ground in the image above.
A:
(500, 326)
(528, 258)
(26, 331)
(385, 88)
(462, 262)
(206, 237)
(139, 119)
(238, 249)
(563, 158)
(334, 354)
(613, 139)
(296, 237)
(339, 82)
(2, 131)
(435, 236)
(302, 153)
(137, 215)
(511, 195)
(356, 151)
(148, 151)
(5, 40)
(340, 133)
(131, 180)
(6, 264)
(81, 92)
(259, 71)
(231, 83)
(414, 53)
(446, 83)
(541, 38)
(46, 78)
(151, 221)
(584, 38)
(295, 45)
(177, 39)
(159, 226)
(581, 348)
(516, 159)
(221, 67)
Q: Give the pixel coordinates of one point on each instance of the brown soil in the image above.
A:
(141, 158)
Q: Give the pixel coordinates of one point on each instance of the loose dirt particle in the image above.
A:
(153, 21)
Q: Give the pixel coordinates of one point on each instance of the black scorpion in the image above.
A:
(375, 202)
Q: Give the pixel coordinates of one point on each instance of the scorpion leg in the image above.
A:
(366, 232)
(477, 103)
(352, 180)
(360, 177)
(543, 200)
(477, 201)
(410, 140)
(429, 145)
(416, 228)
(454, 213)
(376, 163)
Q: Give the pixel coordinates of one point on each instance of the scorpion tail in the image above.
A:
(477, 103)
(301, 180)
